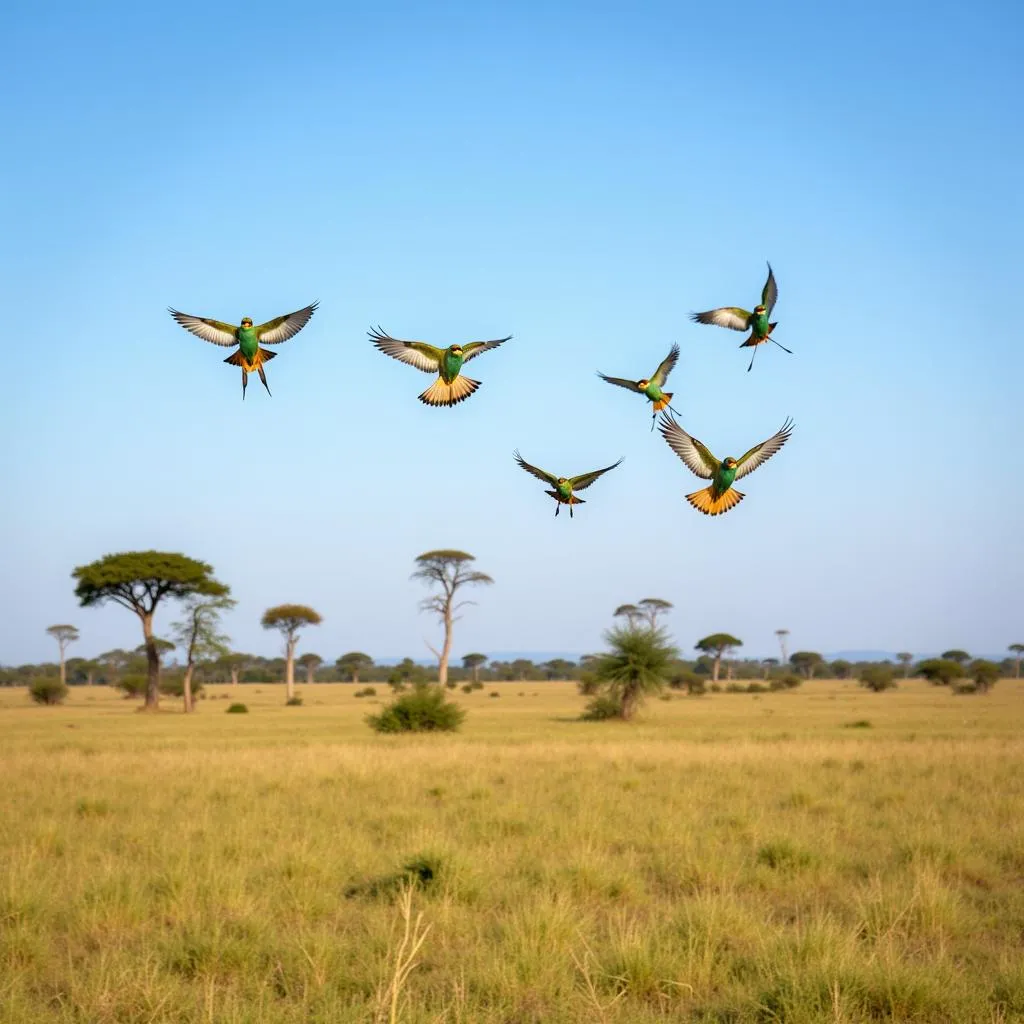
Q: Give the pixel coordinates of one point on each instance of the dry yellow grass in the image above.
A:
(728, 858)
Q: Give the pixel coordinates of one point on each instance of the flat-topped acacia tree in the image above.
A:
(451, 570)
(64, 635)
(716, 645)
(288, 619)
(472, 663)
(311, 662)
(139, 581)
(352, 663)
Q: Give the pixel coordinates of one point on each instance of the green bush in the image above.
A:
(877, 678)
(174, 686)
(791, 681)
(695, 685)
(601, 708)
(477, 685)
(757, 688)
(467, 688)
(941, 671)
(735, 688)
(47, 691)
(293, 702)
(494, 693)
(424, 709)
(985, 674)
(236, 709)
(366, 691)
(133, 686)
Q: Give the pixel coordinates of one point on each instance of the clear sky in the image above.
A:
(582, 176)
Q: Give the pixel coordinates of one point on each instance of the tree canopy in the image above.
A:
(806, 662)
(288, 618)
(960, 657)
(138, 580)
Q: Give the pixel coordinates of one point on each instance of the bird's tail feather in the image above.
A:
(662, 402)
(755, 340)
(440, 393)
(704, 501)
(262, 356)
(573, 500)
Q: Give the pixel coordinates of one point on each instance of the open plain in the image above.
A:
(826, 854)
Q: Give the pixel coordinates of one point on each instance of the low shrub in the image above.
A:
(174, 686)
(47, 691)
(293, 702)
(236, 709)
(366, 691)
(133, 686)
(467, 688)
(424, 709)
(494, 693)
(601, 708)
(877, 678)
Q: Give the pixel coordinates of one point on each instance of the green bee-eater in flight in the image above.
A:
(739, 319)
(451, 387)
(651, 388)
(250, 355)
(564, 487)
(720, 496)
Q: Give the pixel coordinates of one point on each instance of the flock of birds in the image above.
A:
(452, 387)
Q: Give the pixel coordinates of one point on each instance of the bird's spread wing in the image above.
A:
(281, 328)
(728, 316)
(534, 471)
(665, 367)
(696, 455)
(416, 353)
(764, 451)
(770, 292)
(584, 480)
(209, 330)
(621, 382)
(475, 348)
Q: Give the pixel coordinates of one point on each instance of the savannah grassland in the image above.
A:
(729, 858)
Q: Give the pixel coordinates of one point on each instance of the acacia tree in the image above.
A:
(450, 570)
(782, 634)
(651, 607)
(640, 662)
(767, 664)
(472, 663)
(905, 658)
(353, 663)
(1018, 650)
(288, 619)
(716, 645)
(960, 657)
(113, 663)
(233, 663)
(806, 662)
(629, 612)
(311, 662)
(79, 667)
(139, 581)
(197, 635)
(64, 635)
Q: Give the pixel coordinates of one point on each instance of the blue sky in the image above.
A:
(581, 176)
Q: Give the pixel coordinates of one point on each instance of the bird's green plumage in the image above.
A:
(653, 392)
(248, 341)
(722, 480)
(450, 364)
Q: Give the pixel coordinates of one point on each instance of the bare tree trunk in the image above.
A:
(152, 665)
(63, 671)
(355, 677)
(728, 670)
(289, 670)
(446, 650)
(186, 690)
(476, 673)
(714, 668)
(234, 677)
(90, 676)
(310, 669)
